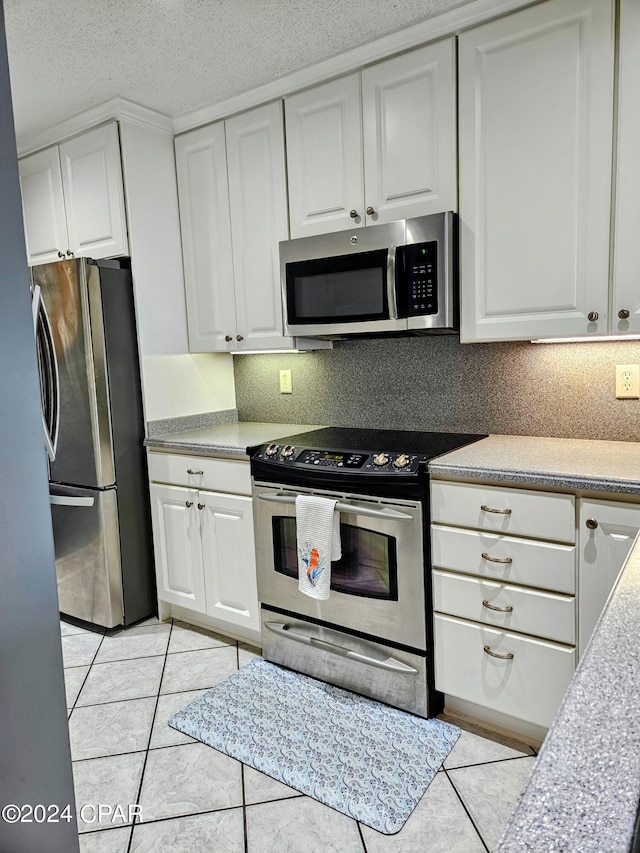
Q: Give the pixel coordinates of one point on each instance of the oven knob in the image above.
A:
(401, 461)
(380, 459)
(272, 449)
(288, 451)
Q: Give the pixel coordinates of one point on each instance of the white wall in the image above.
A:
(176, 385)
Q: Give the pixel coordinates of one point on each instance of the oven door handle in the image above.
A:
(386, 514)
(335, 649)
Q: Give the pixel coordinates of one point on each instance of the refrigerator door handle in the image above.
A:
(68, 500)
(42, 324)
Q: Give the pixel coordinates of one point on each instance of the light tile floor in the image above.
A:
(122, 689)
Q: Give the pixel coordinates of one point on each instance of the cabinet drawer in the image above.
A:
(540, 613)
(530, 686)
(217, 475)
(543, 515)
(546, 565)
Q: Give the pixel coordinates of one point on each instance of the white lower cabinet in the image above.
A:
(504, 581)
(607, 532)
(204, 543)
(513, 674)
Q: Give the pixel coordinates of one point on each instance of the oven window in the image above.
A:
(345, 289)
(368, 566)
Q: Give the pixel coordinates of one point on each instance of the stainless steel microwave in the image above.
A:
(396, 277)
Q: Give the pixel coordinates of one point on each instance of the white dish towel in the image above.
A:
(318, 543)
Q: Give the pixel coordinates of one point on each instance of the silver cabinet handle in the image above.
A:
(486, 508)
(188, 503)
(505, 560)
(60, 254)
(69, 253)
(370, 211)
(336, 649)
(191, 471)
(239, 338)
(508, 656)
(228, 338)
(592, 316)
(353, 214)
(591, 523)
(200, 506)
(507, 609)
(623, 313)
(388, 514)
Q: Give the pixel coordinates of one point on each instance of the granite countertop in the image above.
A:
(603, 466)
(583, 793)
(228, 439)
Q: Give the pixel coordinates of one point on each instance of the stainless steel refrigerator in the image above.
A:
(92, 414)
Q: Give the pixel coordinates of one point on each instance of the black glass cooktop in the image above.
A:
(427, 445)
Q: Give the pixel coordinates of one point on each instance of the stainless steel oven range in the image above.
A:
(373, 635)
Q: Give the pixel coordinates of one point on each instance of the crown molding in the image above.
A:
(116, 108)
(447, 23)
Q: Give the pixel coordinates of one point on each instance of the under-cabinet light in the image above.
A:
(581, 340)
(264, 351)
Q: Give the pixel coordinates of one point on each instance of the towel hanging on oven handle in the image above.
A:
(386, 514)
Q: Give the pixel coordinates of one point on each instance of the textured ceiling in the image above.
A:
(176, 56)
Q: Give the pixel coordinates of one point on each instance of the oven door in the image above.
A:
(377, 588)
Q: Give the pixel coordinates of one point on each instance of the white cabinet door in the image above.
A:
(43, 206)
(177, 542)
(603, 551)
(535, 125)
(94, 193)
(203, 193)
(626, 269)
(409, 128)
(324, 157)
(229, 559)
(258, 205)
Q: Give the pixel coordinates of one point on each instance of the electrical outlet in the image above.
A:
(285, 382)
(628, 381)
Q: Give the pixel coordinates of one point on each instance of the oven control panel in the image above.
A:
(378, 462)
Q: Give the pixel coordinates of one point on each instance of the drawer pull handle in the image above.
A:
(486, 508)
(201, 506)
(591, 523)
(508, 656)
(507, 609)
(188, 503)
(505, 560)
(190, 471)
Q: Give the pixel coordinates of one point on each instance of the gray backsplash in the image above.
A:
(436, 383)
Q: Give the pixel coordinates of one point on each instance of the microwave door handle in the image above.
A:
(387, 514)
(391, 283)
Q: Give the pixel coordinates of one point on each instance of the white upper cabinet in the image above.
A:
(45, 223)
(94, 193)
(233, 210)
(203, 195)
(258, 205)
(375, 146)
(535, 124)
(73, 198)
(409, 127)
(626, 266)
(324, 158)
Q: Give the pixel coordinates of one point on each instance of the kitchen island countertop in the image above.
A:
(227, 440)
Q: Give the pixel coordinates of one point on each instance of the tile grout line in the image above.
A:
(84, 680)
(464, 806)
(242, 779)
(364, 846)
(491, 761)
(146, 755)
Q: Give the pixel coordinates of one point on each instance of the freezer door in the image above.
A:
(86, 537)
(71, 295)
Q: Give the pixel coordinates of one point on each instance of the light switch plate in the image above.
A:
(628, 381)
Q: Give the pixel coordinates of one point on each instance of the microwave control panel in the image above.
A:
(419, 265)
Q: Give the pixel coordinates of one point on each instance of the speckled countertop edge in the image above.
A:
(225, 440)
(579, 464)
(584, 790)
